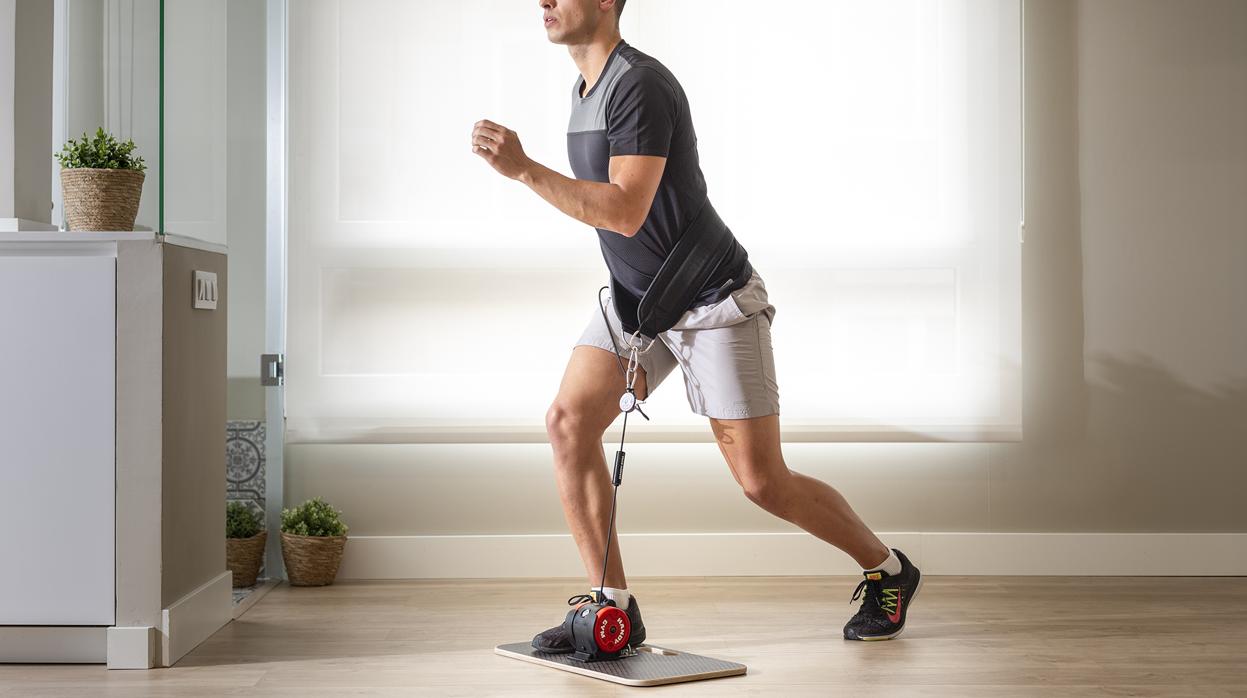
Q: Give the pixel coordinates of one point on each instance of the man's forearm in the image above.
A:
(599, 204)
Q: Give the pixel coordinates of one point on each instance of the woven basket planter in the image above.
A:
(311, 560)
(243, 557)
(101, 199)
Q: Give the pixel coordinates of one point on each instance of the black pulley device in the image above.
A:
(598, 630)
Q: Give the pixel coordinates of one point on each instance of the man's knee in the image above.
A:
(566, 423)
(768, 492)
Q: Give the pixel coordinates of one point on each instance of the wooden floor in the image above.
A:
(967, 636)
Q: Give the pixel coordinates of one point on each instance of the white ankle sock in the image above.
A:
(892, 565)
(621, 597)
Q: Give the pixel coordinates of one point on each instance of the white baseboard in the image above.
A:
(193, 618)
(752, 554)
(30, 644)
(132, 647)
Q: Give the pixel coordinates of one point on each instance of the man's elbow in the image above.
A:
(631, 225)
(627, 227)
(630, 213)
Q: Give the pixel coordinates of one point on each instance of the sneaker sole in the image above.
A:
(569, 650)
(912, 600)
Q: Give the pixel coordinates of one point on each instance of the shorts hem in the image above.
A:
(740, 414)
(600, 346)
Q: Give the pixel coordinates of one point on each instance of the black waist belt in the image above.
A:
(680, 279)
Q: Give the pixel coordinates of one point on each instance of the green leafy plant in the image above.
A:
(240, 521)
(313, 518)
(103, 151)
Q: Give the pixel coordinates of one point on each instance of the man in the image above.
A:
(638, 182)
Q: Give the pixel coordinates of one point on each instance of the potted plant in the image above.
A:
(313, 537)
(244, 543)
(101, 182)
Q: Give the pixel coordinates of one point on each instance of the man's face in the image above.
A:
(572, 21)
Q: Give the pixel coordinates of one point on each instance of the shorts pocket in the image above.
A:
(707, 317)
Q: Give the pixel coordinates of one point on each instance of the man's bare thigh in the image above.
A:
(592, 384)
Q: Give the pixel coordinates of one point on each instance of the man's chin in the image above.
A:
(557, 35)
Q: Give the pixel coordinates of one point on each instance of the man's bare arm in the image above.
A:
(620, 205)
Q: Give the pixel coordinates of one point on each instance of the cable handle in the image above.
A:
(617, 476)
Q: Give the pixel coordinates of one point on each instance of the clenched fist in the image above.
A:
(500, 147)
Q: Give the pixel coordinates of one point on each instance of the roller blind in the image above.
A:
(868, 157)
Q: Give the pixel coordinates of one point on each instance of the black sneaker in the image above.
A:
(557, 641)
(887, 601)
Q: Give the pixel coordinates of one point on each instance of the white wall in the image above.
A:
(8, 71)
(1163, 162)
(196, 96)
(33, 96)
(25, 105)
(85, 35)
(245, 157)
(1134, 335)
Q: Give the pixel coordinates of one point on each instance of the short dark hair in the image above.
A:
(619, 4)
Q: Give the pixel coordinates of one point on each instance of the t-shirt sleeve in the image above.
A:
(640, 115)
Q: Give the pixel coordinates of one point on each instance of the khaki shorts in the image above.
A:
(724, 351)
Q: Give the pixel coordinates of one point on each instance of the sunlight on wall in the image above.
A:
(868, 158)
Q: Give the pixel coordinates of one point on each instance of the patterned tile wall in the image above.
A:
(244, 466)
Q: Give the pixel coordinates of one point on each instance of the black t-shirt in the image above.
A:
(637, 107)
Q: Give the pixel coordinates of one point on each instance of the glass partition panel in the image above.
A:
(155, 71)
(108, 76)
(196, 62)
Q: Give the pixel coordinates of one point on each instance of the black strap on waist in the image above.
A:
(698, 253)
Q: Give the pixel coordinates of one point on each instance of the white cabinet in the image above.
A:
(57, 413)
(112, 448)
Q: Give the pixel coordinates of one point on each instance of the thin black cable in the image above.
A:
(611, 528)
(618, 359)
(602, 584)
(615, 495)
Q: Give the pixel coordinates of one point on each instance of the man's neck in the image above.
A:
(591, 57)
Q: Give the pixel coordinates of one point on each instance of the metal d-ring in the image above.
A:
(632, 339)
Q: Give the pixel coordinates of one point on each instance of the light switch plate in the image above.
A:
(205, 290)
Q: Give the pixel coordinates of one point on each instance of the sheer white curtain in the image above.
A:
(867, 155)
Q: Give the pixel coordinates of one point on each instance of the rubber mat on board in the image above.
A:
(650, 666)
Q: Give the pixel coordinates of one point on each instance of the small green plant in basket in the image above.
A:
(313, 518)
(101, 182)
(313, 538)
(101, 152)
(240, 521)
(244, 543)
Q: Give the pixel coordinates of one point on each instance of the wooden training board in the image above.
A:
(650, 666)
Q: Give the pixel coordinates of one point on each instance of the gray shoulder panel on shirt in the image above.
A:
(590, 114)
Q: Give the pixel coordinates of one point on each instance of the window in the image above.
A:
(872, 168)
